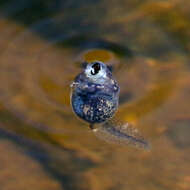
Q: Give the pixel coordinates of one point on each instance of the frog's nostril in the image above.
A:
(96, 68)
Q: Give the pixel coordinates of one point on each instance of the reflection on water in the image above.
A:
(42, 46)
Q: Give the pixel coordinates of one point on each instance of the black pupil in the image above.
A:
(96, 68)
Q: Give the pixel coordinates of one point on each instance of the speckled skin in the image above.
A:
(95, 100)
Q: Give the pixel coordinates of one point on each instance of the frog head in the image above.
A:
(97, 72)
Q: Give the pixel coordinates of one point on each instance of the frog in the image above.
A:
(95, 100)
(95, 95)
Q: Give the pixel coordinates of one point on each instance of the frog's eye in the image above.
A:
(95, 68)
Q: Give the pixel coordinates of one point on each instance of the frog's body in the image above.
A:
(95, 93)
(94, 98)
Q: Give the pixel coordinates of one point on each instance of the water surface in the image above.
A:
(43, 44)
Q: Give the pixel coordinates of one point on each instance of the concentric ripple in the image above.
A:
(43, 45)
(39, 63)
(36, 74)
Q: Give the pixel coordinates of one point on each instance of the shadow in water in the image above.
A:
(68, 164)
(63, 22)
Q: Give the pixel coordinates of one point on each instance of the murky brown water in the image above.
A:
(42, 143)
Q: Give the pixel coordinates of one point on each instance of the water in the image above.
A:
(43, 145)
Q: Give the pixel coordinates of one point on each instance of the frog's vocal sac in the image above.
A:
(95, 93)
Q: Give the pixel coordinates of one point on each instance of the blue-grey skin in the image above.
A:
(95, 93)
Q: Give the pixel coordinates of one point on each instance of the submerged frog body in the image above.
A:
(95, 93)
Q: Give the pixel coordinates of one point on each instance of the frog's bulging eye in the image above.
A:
(95, 68)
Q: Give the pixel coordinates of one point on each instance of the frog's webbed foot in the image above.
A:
(121, 133)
